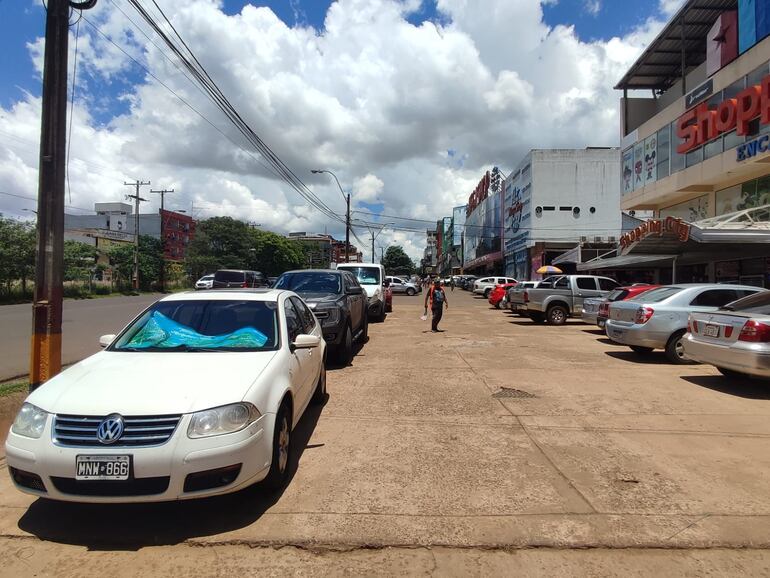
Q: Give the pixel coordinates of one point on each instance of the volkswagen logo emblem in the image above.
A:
(110, 429)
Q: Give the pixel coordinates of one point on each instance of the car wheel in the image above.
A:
(486, 293)
(365, 330)
(641, 350)
(410, 292)
(557, 315)
(319, 395)
(675, 349)
(279, 466)
(345, 349)
(537, 317)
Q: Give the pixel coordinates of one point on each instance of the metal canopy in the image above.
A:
(682, 41)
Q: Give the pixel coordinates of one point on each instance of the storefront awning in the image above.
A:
(627, 262)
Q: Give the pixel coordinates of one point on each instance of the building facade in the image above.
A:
(482, 248)
(697, 149)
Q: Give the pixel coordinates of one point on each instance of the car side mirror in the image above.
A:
(105, 340)
(305, 341)
(354, 291)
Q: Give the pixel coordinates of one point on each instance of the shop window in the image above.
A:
(677, 160)
(727, 200)
(732, 140)
(755, 76)
(664, 146)
(712, 148)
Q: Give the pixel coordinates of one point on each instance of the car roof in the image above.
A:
(311, 271)
(227, 295)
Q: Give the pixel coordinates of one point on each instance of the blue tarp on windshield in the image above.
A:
(160, 331)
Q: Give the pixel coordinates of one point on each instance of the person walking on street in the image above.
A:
(452, 283)
(438, 301)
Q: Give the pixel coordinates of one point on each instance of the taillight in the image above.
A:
(692, 326)
(604, 308)
(244, 285)
(755, 332)
(526, 297)
(643, 315)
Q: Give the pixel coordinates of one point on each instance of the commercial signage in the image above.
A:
(699, 94)
(657, 227)
(753, 148)
(479, 193)
(702, 124)
(484, 260)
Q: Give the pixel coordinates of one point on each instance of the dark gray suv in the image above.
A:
(339, 303)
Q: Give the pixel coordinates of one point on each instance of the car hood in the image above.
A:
(135, 383)
(316, 298)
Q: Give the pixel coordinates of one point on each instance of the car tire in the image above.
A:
(364, 330)
(640, 350)
(319, 394)
(557, 315)
(675, 349)
(279, 465)
(498, 305)
(486, 293)
(537, 317)
(345, 349)
(410, 292)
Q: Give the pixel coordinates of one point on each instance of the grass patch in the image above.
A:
(11, 387)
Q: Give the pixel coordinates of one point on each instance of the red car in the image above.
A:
(497, 294)
(619, 294)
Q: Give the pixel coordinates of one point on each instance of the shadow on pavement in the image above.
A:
(740, 387)
(593, 331)
(641, 358)
(134, 526)
(608, 341)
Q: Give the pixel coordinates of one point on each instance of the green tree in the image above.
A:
(17, 253)
(273, 254)
(79, 260)
(150, 262)
(397, 262)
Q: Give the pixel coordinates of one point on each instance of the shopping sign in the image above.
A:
(657, 227)
(479, 194)
(701, 124)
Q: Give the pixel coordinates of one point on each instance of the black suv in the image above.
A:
(339, 303)
(231, 278)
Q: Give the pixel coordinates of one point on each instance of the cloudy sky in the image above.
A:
(407, 101)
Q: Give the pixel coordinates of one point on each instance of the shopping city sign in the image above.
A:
(657, 227)
(701, 124)
(479, 193)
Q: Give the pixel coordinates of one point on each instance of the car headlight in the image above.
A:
(222, 420)
(30, 421)
(328, 316)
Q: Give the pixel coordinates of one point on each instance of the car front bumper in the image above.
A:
(157, 473)
(743, 357)
(638, 335)
(589, 316)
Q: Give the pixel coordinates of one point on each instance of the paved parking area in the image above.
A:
(420, 446)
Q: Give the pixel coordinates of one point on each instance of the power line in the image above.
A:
(35, 199)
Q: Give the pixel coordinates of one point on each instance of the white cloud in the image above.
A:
(669, 7)
(593, 7)
(407, 116)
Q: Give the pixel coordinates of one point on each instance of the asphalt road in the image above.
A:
(84, 321)
(594, 461)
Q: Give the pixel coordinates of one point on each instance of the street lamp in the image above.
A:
(347, 214)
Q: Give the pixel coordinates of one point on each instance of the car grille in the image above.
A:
(111, 488)
(321, 314)
(138, 431)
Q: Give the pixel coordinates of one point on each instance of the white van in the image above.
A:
(371, 276)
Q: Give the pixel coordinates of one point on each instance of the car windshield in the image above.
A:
(656, 295)
(616, 294)
(310, 282)
(366, 275)
(230, 276)
(207, 278)
(758, 303)
(201, 325)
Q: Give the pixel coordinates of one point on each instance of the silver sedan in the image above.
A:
(735, 339)
(657, 319)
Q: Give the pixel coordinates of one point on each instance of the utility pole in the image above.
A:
(347, 211)
(137, 200)
(45, 353)
(163, 223)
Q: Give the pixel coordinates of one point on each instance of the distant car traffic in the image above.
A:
(485, 285)
(372, 278)
(399, 285)
(657, 319)
(238, 278)
(197, 397)
(205, 282)
(735, 339)
(619, 294)
(561, 297)
(515, 296)
(339, 303)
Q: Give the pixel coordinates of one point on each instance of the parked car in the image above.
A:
(240, 278)
(562, 296)
(399, 285)
(205, 282)
(591, 309)
(657, 319)
(735, 339)
(485, 285)
(371, 277)
(339, 304)
(619, 294)
(515, 296)
(271, 281)
(467, 282)
(163, 414)
(498, 294)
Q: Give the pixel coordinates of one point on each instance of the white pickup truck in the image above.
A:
(562, 297)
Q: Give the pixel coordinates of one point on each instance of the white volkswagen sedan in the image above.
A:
(197, 396)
